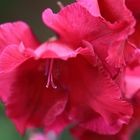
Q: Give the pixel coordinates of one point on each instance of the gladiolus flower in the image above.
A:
(76, 78)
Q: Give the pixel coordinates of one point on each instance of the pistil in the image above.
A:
(59, 3)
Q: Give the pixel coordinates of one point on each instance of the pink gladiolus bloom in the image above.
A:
(77, 78)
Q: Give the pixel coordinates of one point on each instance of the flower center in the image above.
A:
(48, 73)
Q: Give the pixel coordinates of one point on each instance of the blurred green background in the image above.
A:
(29, 11)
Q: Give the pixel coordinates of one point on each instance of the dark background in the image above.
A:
(29, 11)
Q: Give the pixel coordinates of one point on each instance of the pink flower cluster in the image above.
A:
(89, 75)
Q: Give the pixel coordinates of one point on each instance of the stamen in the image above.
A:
(59, 3)
(48, 73)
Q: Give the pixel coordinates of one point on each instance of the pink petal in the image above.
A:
(88, 135)
(55, 49)
(123, 26)
(134, 6)
(76, 25)
(116, 54)
(100, 126)
(59, 124)
(82, 134)
(60, 50)
(15, 33)
(135, 37)
(91, 5)
(115, 13)
(6, 79)
(121, 53)
(83, 85)
(11, 57)
(132, 80)
(113, 48)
